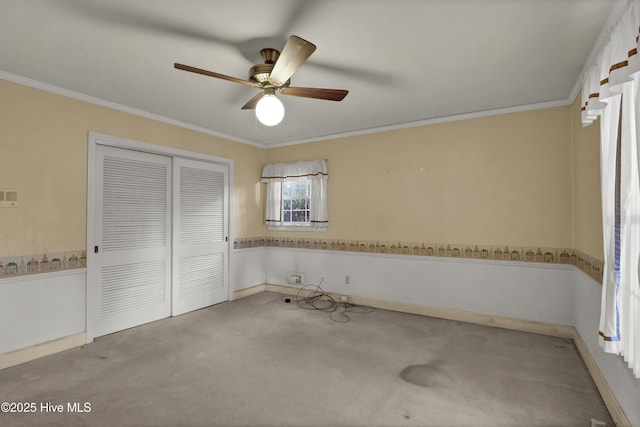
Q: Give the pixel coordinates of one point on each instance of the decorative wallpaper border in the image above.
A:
(591, 266)
(22, 265)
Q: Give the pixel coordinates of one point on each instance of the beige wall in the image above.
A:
(499, 180)
(587, 212)
(520, 179)
(43, 154)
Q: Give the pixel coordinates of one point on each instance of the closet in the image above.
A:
(157, 233)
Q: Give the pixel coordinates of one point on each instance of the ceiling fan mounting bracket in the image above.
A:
(270, 55)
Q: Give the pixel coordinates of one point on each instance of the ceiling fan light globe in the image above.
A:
(269, 110)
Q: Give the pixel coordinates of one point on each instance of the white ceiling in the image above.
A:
(404, 62)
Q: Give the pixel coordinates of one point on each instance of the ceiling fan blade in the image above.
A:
(251, 104)
(311, 92)
(213, 74)
(295, 53)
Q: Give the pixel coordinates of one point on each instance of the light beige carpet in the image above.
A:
(262, 362)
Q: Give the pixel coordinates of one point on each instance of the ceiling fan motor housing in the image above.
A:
(260, 73)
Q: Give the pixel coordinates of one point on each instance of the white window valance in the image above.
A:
(316, 172)
(616, 64)
(280, 171)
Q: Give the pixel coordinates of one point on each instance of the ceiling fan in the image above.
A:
(275, 76)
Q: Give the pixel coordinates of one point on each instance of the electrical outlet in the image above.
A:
(295, 278)
(344, 298)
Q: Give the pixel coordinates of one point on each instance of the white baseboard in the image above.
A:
(537, 327)
(16, 357)
(242, 293)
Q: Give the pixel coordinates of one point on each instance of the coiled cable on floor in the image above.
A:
(318, 299)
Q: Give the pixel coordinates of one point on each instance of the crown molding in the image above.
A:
(432, 121)
(119, 107)
(418, 123)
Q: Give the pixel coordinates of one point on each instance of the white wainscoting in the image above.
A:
(45, 313)
(41, 308)
(530, 291)
(248, 269)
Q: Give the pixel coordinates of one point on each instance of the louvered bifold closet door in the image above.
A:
(133, 251)
(200, 235)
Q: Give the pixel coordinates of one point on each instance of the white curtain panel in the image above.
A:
(610, 91)
(273, 211)
(318, 202)
(273, 174)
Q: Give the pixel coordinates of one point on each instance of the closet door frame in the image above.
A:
(95, 139)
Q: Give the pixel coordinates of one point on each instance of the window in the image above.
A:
(296, 195)
(295, 201)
